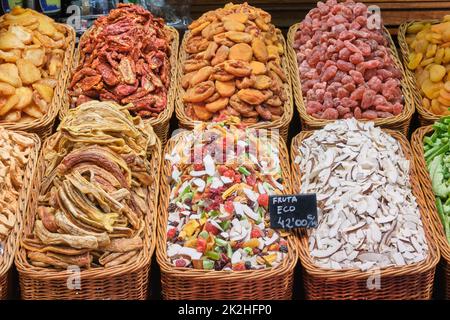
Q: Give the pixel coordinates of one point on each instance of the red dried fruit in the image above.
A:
(329, 73)
(369, 114)
(357, 113)
(330, 114)
(367, 99)
(356, 58)
(357, 76)
(345, 66)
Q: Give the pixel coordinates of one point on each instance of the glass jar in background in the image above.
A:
(7, 5)
(175, 13)
(51, 8)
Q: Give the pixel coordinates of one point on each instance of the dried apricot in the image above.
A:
(241, 51)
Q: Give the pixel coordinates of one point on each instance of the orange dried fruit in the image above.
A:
(241, 51)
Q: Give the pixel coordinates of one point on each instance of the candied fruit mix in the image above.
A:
(218, 211)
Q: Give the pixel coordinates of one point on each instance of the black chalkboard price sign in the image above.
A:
(293, 211)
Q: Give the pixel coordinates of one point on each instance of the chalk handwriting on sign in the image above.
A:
(293, 211)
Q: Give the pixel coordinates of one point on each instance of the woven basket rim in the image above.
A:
(166, 114)
(286, 266)
(433, 255)
(416, 95)
(408, 105)
(12, 242)
(425, 183)
(56, 104)
(190, 123)
(149, 239)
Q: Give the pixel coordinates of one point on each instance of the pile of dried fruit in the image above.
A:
(94, 194)
(32, 48)
(222, 177)
(125, 58)
(346, 69)
(234, 66)
(368, 215)
(15, 152)
(437, 156)
(430, 59)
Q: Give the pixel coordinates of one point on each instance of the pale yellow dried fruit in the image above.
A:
(28, 72)
(25, 95)
(9, 41)
(10, 74)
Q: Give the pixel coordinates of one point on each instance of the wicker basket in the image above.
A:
(43, 127)
(425, 184)
(161, 123)
(191, 284)
(414, 281)
(281, 124)
(425, 116)
(13, 239)
(400, 122)
(128, 281)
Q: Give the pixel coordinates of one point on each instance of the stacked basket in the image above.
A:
(413, 281)
(400, 122)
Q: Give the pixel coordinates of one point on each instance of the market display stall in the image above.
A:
(82, 217)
